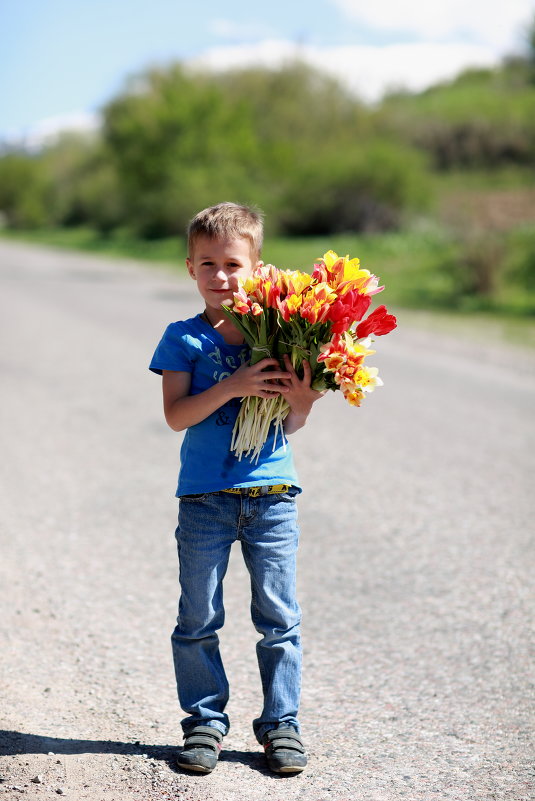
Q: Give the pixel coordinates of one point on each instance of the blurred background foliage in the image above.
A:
(435, 191)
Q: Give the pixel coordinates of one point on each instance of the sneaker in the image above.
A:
(201, 749)
(285, 752)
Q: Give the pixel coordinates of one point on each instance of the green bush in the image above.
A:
(83, 184)
(23, 191)
(521, 257)
(483, 118)
(518, 284)
(367, 190)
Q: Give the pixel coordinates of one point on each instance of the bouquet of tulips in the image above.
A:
(317, 317)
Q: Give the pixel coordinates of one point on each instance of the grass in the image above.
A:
(416, 265)
(297, 253)
(119, 245)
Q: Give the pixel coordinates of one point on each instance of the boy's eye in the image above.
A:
(231, 265)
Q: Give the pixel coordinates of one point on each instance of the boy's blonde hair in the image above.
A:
(228, 221)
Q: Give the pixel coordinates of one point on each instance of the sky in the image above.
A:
(62, 60)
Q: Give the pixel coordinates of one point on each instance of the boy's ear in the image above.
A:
(189, 265)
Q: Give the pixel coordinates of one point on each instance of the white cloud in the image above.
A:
(437, 39)
(48, 129)
(368, 71)
(499, 25)
(268, 53)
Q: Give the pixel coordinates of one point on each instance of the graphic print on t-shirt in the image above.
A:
(229, 361)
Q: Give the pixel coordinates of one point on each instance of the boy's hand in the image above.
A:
(183, 410)
(258, 380)
(299, 395)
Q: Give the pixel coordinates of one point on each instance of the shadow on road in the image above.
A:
(13, 743)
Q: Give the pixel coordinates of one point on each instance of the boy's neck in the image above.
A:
(223, 326)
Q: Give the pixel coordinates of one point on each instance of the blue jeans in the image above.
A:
(267, 529)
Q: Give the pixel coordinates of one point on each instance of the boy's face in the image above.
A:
(217, 264)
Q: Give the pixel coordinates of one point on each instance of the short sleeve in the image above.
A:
(173, 352)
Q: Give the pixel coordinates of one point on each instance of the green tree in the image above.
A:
(181, 140)
(177, 144)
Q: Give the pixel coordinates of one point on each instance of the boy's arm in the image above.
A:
(183, 410)
(300, 397)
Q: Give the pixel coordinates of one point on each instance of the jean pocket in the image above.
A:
(199, 497)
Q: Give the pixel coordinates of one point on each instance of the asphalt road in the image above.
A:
(415, 575)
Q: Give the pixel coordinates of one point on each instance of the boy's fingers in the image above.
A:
(288, 362)
(274, 374)
(267, 362)
(276, 387)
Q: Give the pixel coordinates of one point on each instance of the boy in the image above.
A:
(204, 366)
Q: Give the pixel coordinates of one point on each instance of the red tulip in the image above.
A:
(379, 323)
(347, 310)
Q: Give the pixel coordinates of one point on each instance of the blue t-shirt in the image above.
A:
(206, 462)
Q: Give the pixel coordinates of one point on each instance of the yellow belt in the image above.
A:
(254, 492)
